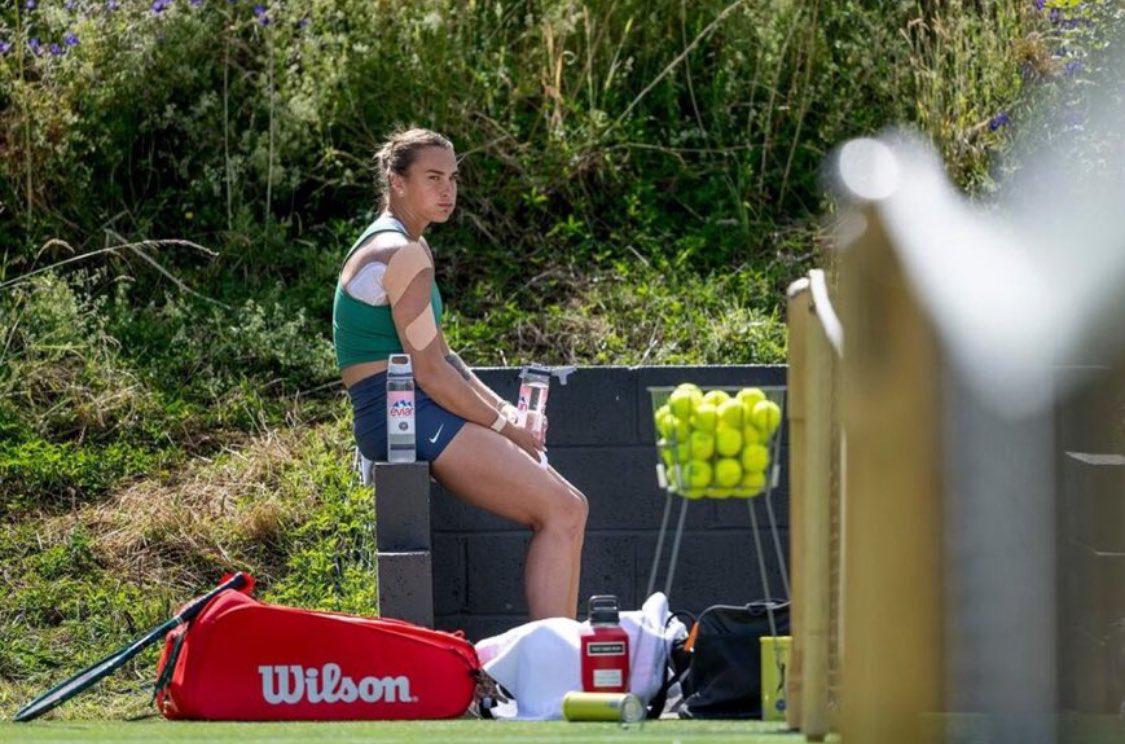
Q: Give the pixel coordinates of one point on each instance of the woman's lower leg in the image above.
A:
(550, 574)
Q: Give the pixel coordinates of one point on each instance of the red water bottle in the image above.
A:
(605, 648)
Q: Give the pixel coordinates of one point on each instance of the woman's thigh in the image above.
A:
(487, 470)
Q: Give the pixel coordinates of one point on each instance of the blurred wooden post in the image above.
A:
(819, 363)
(798, 320)
(892, 373)
(839, 530)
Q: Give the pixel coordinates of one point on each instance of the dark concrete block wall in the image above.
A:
(1090, 522)
(601, 438)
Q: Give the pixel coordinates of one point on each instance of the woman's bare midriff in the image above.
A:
(353, 373)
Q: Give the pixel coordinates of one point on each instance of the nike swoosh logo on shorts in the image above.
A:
(438, 434)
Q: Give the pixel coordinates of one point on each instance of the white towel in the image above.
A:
(539, 662)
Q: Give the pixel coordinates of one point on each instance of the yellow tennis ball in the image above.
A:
(706, 417)
(766, 416)
(683, 400)
(721, 493)
(683, 452)
(731, 413)
(752, 483)
(727, 472)
(702, 445)
(751, 436)
(694, 493)
(755, 458)
(716, 397)
(728, 441)
(698, 474)
(750, 396)
(667, 457)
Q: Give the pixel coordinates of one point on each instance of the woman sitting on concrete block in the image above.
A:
(387, 302)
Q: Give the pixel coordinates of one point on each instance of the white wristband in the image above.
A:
(498, 424)
(511, 412)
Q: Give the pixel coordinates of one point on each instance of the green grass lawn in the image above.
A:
(386, 732)
(974, 729)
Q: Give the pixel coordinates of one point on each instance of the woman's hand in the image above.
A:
(541, 435)
(526, 440)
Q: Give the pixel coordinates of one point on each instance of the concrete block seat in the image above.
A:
(402, 538)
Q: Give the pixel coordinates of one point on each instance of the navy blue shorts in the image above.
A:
(434, 426)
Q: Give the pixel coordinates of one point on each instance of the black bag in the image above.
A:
(724, 678)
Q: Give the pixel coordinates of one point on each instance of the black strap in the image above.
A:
(656, 705)
(165, 677)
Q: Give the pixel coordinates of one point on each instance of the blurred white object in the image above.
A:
(364, 467)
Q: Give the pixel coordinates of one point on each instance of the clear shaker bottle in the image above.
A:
(532, 403)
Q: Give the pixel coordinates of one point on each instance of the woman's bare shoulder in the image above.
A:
(378, 248)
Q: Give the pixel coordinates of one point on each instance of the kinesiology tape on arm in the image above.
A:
(422, 331)
(407, 264)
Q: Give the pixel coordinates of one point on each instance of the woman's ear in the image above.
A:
(396, 182)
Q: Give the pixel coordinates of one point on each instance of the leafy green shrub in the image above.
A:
(578, 122)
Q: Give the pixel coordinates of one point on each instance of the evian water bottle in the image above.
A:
(400, 410)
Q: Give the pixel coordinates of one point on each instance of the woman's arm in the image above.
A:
(407, 280)
(463, 369)
(484, 390)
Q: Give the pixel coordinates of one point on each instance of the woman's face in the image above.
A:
(429, 189)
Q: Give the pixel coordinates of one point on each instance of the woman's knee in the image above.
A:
(567, 512)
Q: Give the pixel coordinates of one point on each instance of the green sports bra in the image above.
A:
(363, 332)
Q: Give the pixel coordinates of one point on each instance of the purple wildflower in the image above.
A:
(1073, 117)
(111, 5)
(5, 46)
(1000, 120)
(55, 49)
(196, 3)
(1073, 67)
(70, 5)
(1055, 15)
(71, 39)
(30, 4)
(34, 44)
(1039, 4)
(159, 6)
(303, 22)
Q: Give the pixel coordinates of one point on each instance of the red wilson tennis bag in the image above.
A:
(241, 660)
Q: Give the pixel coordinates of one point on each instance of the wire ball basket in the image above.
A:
(722, 442)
